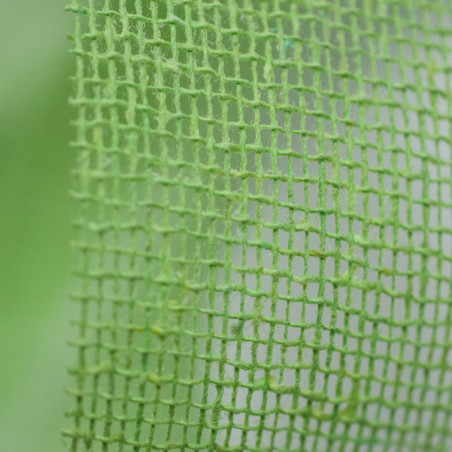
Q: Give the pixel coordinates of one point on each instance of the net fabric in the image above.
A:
(263, 234)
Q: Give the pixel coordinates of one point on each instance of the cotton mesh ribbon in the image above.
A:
(264, 225)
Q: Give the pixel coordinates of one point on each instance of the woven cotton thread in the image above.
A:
(264, 227)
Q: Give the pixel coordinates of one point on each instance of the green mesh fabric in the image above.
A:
(264, 226)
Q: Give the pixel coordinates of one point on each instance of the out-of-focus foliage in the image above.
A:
(35, 217)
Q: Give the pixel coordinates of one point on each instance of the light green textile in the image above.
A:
(265, 225)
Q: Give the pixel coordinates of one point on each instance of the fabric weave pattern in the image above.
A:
(264, 226)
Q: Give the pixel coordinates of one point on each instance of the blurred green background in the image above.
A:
(35, 209)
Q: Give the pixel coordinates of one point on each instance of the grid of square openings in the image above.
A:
(264, 229)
